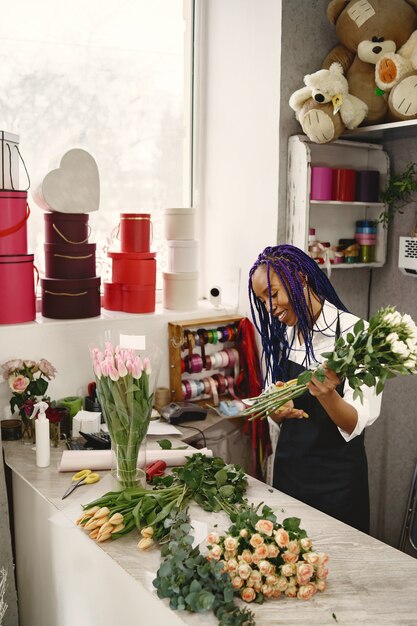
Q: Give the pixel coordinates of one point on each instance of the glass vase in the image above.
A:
(129, 460)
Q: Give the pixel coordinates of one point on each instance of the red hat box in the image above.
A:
(17, 289)
(138, 298)
(14, 212)
(133, 268)
(69, 228)
(67, 299)
(135, 232)
(64, 261)
(112, 299)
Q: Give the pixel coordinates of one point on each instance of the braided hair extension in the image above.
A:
(294, 268)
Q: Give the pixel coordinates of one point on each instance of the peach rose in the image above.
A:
(232, 565)
(47, 368)
(276, 593)
(311, 557)
(305, 592)
(291, 591)
(256, 576)
(265, 567)
(273, 550)
(248, 594)
(246, 556)
(289, 557)
(213, 538)
(282, 583)
(323, 558)
(322, 572)
(18, 384)
(237, 582)
(11, 366)
(267, 591)
(230, 543)
(215, 552)
(288, 569)
(265, 527)
(262, 551)
(244, 571)
(250, 582)
(255, 558)
(229, 554)
(282, 538)
(271, 580)
(256, 540)
(293, 546)
(306, 543)
(244, 533)
(321, 585)
(304, 573)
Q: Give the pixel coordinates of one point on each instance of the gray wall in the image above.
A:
(307, 36)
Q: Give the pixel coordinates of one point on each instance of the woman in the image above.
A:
(320, 460)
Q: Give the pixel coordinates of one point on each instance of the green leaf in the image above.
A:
(165, 444)
(292, 524)
(305, 377)
(221, 477)
(359, 327)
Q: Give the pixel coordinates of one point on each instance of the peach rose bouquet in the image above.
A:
(29, 382)
(265, 559)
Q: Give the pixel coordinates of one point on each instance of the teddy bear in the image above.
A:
(330, 89)
(367, 31)
(396, 75)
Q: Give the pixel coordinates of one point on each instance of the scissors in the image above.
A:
(83, 477)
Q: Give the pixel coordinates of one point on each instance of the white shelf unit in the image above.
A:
(332, 220)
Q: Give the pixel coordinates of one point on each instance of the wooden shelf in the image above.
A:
(392, 130)
(376, 205)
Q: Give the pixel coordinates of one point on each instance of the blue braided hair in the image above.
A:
(293, 267)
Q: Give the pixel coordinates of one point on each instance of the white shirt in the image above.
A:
(323, 341)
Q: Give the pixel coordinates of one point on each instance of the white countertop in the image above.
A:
(369, 582)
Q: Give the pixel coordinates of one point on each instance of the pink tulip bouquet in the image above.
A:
(124, 392)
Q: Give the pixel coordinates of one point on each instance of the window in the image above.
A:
(114, 79)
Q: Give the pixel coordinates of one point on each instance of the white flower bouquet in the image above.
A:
(367, 356)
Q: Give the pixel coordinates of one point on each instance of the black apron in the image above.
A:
(314, 464)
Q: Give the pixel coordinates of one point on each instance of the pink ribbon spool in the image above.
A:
(321, 183)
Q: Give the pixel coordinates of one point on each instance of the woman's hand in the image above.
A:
(328, 386)
(287, 410)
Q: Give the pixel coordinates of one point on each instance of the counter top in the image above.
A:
(369, 582)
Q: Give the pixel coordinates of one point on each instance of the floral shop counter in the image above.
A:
(66, 578)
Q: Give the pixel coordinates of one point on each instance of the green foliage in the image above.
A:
(193, 583)
(211, 483)
(399, 192)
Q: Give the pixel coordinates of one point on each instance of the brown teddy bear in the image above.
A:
(367, 31)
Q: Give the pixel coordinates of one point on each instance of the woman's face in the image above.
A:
(281, 307)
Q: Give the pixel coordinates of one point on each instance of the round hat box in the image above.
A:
(179, 223)
(180, 290)
(182, 255)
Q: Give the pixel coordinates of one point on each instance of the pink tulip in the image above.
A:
(137, 368)
(104, 368)
(147, 365)
(121, 366)
(97, 369)
(108, 349)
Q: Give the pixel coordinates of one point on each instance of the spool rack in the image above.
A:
(178, 349)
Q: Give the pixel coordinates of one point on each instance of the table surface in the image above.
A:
(369, 582)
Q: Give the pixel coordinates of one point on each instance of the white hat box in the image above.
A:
(179, 223)
(182, 255)
(180, 290)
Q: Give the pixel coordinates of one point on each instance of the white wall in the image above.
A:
(237, 185)
(65, 343)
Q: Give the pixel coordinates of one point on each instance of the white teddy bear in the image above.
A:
(340, 109)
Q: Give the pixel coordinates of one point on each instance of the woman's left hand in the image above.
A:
(328, 386)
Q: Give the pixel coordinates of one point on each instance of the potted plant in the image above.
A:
(400, 190)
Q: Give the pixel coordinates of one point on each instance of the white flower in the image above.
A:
(393, 319)
(399, 347)
(392, 337)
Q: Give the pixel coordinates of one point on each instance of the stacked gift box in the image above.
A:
(133, 284)
(181, 279)
(17, 287)
(70, 289)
